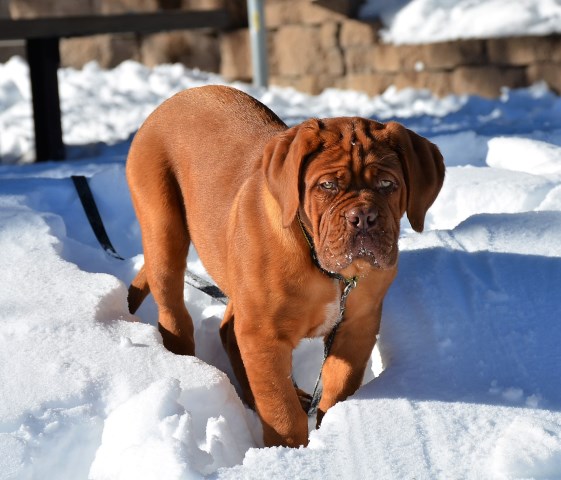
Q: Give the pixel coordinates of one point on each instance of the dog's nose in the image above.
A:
(362, 218)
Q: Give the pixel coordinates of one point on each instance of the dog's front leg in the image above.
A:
(268, 364)
(230, 344)
(344, 368)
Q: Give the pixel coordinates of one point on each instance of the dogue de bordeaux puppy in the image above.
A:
(214, 167)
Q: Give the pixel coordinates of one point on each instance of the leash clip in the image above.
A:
(351, 283)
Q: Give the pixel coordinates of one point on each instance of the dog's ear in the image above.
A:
(283, 158)
(423, 168)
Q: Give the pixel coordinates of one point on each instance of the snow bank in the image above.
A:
(428, 21)
(524, 175)
(524, 155)
(83, 382)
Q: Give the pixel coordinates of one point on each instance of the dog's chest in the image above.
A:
(328, 315)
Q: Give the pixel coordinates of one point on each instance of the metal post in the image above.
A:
(258, 36)
(43, 57)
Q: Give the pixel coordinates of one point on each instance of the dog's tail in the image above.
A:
(138, 290)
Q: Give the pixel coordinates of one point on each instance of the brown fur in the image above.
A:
(215, 167)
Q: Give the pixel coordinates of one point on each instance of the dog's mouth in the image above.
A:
(378, 250)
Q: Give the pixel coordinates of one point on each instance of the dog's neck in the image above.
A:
(315, 260)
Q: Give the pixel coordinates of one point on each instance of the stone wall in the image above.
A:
(312, 45)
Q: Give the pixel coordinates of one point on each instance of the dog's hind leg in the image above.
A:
(138, 290)
(161, 214)
(166, 260)
(230, 344)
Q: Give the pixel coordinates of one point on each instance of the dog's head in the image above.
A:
(351, 180)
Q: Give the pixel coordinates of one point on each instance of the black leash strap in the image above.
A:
(206, 287)
(92, 213)
(90, 208)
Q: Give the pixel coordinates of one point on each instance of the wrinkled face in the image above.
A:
(352, 197)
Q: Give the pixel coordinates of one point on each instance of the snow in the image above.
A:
(464, 382)
(428, 21)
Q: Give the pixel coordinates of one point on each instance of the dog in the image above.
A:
(275, 213)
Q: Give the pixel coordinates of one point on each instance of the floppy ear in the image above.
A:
(283, 158)
(423, 167)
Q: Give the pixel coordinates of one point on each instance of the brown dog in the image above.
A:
(215, 167)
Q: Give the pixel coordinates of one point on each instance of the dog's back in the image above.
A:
(202, 127)
(198, 132)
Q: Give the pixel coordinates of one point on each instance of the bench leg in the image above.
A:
(43, 57)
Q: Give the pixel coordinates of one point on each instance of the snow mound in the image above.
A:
(152, 435)
(93, 385)
(524, 155)
(528, 449)
(428, 21)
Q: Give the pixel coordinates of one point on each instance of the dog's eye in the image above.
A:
(328, 186)
(385, 184)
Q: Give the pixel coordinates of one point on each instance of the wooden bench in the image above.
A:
(42, 36)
